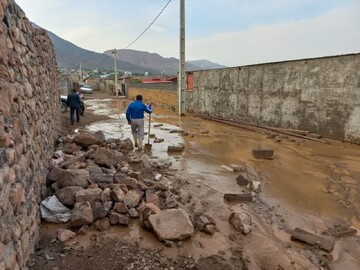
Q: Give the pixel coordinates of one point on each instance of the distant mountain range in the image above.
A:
(68, 55)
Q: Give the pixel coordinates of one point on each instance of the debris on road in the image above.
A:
(255, 186)
(158, 177)
(171, 224)
(159, 140)
(263, 153)
(239, 197)
(312, 239)
(176, 131)
(205, 223)
(175, 149)
(340, 230)
(242, 181)
(241, 221)
(64, 235)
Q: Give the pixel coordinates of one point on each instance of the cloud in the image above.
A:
(333, 33)
(230, 32)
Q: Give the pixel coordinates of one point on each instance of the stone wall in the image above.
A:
(157, 97)
(320, 95)
(29, 121)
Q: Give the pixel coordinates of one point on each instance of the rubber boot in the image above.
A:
(140, 144)
(135, 140)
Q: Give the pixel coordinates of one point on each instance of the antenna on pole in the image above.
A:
(115, 72)
(181, 78)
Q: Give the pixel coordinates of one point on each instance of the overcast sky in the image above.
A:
(228, 32)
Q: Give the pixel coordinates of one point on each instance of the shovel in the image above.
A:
(148, 145)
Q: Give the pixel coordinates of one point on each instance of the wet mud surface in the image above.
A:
(308, 185)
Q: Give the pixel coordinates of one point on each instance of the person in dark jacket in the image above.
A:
(74, 102)
(135, 118)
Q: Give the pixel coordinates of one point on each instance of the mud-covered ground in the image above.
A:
(86, 119)
(308, 185)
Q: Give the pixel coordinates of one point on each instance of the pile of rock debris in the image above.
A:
(103, 183)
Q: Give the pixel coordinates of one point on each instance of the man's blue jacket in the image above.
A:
(136, 110)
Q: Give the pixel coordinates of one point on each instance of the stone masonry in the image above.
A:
(29, 121)
(321, 95)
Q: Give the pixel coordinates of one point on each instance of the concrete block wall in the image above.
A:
(29, 122)
(321, 95)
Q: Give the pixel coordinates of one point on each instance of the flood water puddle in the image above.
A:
(322, 180)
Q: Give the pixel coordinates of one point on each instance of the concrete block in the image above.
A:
(240, 197)
(312, 239)
(175, 149)
(263, 153)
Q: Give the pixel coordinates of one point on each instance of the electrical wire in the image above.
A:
(147, 28)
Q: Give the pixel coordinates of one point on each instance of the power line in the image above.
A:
(147, 28)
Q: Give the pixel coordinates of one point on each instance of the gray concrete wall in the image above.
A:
(29, 124)
(320, 95)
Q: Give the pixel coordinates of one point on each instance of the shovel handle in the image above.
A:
(149, 128)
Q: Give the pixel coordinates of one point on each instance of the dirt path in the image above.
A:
(86, 119)
(273, 213)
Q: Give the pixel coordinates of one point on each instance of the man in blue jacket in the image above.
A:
(74, 102)
(135, 118)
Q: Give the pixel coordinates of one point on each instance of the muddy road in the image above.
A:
(308, 185)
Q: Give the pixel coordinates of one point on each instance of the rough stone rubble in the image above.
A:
(103, 183)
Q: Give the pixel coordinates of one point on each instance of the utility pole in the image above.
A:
(80, 73)
(181, 78)
(115, 71)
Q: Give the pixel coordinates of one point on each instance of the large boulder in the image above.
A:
(90, 195)
(171, 224)
(74, 178)
(85, 140)
(241, 221)
(132, 198)
(106, 157)
(67, 195)
(82, 214)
